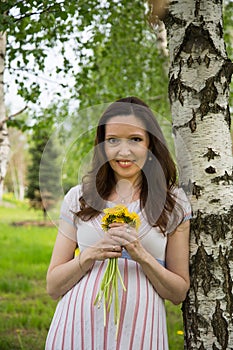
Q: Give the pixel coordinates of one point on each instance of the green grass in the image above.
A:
(25, 308)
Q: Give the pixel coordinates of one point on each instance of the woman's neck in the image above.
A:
(126, 192)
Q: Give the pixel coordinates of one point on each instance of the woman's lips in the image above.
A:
(125, 163)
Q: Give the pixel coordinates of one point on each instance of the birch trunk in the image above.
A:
(4, 142)
(200, 74)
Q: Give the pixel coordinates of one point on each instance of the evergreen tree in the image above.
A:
(43, 173)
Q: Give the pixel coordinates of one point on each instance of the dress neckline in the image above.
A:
(126, 204)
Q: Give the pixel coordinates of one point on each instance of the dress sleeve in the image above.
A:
(181, 212)
(182, 199)
(69, 207)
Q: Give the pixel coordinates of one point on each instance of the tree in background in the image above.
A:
(43, 178)
(97, 61)
(15, 180)
(28, 31)
(125, 59)
(199, 78)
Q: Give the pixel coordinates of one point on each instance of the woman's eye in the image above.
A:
(113, 141)
(136, 139)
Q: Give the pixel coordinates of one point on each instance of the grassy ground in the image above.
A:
(25, 308)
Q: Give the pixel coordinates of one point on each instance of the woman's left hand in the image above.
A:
(127, 237)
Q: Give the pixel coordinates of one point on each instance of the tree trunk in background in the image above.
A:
(4, 142)
(200, 74)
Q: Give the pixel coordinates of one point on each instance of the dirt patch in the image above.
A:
(34, 223)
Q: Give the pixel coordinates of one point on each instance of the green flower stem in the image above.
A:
(109, 288)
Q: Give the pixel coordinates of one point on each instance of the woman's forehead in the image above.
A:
(129, 121)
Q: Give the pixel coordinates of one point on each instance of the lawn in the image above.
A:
(25, 308)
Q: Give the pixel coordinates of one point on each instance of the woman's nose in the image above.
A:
(124, 148)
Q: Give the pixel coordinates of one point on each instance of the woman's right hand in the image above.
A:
(104, 249)
(65, 271)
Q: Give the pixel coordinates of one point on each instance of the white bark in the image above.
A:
(4, 142)
(200, 74)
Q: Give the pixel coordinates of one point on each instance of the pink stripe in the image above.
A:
(152, 321)
(55, 334)
(73, 322)
(92, 306)
(123, 305)
(136, 309)
(158, 324)
(145, 316)
(67, 313)
(106, 332)
(82, 313)
(164, 333)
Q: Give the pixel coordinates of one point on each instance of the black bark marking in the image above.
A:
(199, 60)
(210, 170)
(220, 325)
(225, 179)
(228, 117)
(220, 29)
(228, 284)
(169, 19)
(176, 89)
(203, 262)
(196, 321)
(214, 200)
(207, 61)
(197, 8)
(197, 190)
(190, 61)
(213, 225)
(202, 274)
(208, 95)
(226, 71)
(197, 39)
(211, 154)
(192, 123)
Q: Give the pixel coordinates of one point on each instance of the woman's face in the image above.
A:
(126, 146)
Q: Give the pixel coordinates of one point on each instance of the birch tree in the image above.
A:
(28, 31)
(199, 78)
(4, 141)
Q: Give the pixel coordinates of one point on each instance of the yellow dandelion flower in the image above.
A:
(180, 332)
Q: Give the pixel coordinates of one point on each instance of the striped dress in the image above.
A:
(78, 324)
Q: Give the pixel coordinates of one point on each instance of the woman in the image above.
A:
(131, 165)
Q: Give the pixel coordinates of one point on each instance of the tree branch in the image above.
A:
(12, 116)
(47, 9)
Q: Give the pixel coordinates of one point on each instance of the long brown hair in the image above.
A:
(158, 173)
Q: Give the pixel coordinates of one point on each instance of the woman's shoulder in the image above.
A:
(73, 195)
(182, 200)
(180, 196)
(74, 191)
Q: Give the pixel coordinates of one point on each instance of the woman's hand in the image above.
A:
(127, 237)
(104, 249)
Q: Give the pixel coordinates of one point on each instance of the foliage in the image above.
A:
(121, 59)
(228, 34)
(106, 50)
(43, 174)
(125, 59)
(33, 27)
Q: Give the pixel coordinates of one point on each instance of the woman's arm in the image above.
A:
(172, 282)
(64, 270)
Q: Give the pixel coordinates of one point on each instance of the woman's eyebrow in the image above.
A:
(129, 135)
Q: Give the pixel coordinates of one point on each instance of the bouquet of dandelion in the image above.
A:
(109, 283)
